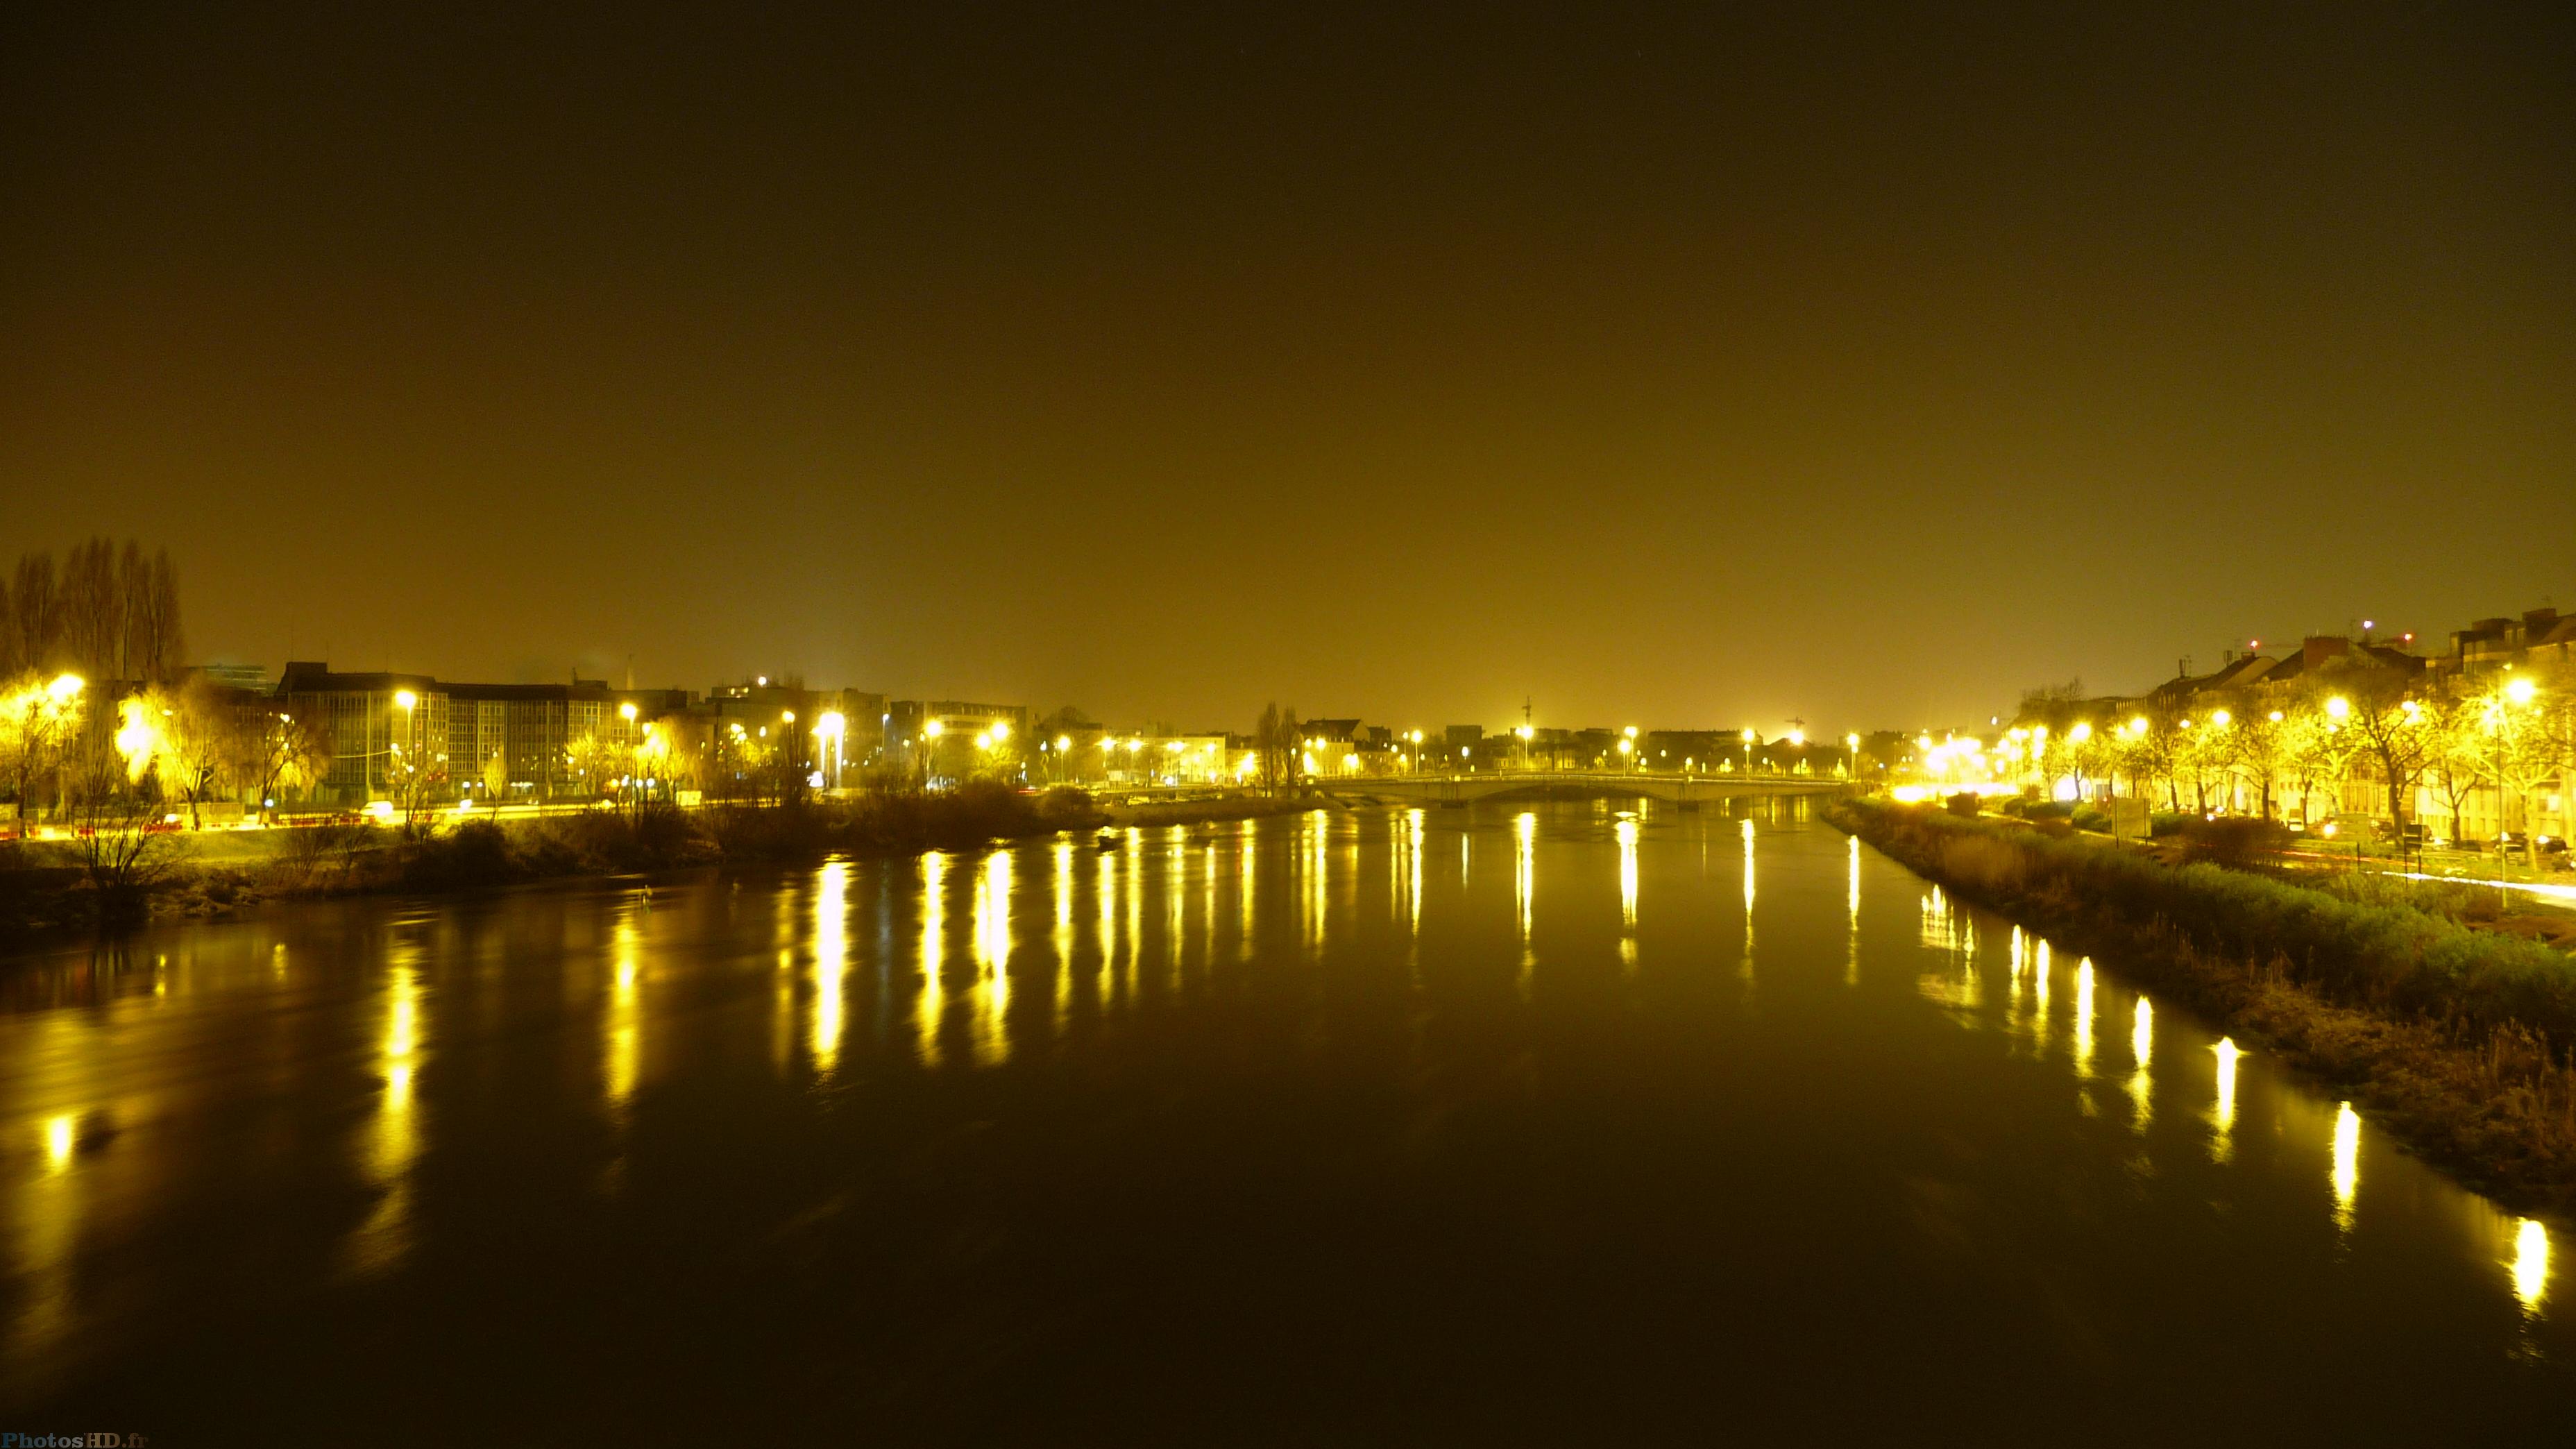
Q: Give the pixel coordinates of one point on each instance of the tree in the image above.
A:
(1280, 744)
(2262, 749)
(195, 734)
(2317, 749)
(93, 611)
(282, 754)
(153, 645)
(35, 620)
(2387, 715)
(2456, 760)
(38, 719)
(114, 825)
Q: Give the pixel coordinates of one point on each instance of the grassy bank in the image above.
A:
(1229, 807)
(44, 886)
(2458, 1040)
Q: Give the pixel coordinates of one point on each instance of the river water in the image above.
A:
(1545, 1124)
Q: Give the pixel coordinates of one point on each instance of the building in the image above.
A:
(382, 725)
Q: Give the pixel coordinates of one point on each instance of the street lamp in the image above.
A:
(1747, 738)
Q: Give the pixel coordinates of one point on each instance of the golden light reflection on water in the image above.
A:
(1105, 889)
(1525, 877)
(993, 957)
(2530, 1264)
(1627, 832)
(2142, 1039)
(393, 1139)
(1413, 872)
(2222, 1115)
(2040, 969)
(1319, 870)
(831, 962)
(1244, 875)
(58, 1143)
(1062, 939)
(2347, 1163)
(1745, 971)
(624, 1026)
(2084, 1018)
(1851, 958)
(933, 1003)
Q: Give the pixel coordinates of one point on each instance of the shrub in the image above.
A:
(2234, 841)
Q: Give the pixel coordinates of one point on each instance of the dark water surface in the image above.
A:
(1554, 1127)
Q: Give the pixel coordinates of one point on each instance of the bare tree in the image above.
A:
(1280, 743)
(153, 644)
(93, 610)
(36, 613)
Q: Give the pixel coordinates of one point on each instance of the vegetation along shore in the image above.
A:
(2457, 1040)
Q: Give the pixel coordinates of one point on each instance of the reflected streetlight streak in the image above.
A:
(1627, 832)
(2222, 1116)
(933, 1001)
(394, 1143)
(1746, 971)
(993, 955)
(1851, 957)
(1244, 877)
(2347, 1163)
(2142, 1035)
(831, 961)
(58, 1143)
(624, 1050)
(1415, 832)
(1062, 940)
(2530, 1264)
(1105, 889)
(1525, 879)
(2084, 1018)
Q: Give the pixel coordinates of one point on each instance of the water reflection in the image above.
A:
(427, 1105)
(931, 1009)
(2142, 1035)
(2084, 1019)
(1627, 833)
(2347, 1163)
(1851, 954)
(2222, 1116)
(1746, 971)
(993, 956)
(1413, 824)
(393, 1138)
(624, 1026)
(2530, 1264)
(831, 962)
(1525, 876)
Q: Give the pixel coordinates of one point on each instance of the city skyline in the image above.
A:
(1694, 368)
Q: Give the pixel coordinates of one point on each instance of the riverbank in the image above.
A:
(47, 886)
(2457, 1041)
(1216, 811)
(44, 886)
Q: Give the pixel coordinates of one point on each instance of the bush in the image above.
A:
(2234, 841)
(1964, 803)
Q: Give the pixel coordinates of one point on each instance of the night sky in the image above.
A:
(1864, 364)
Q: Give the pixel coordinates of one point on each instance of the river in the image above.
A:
(1557, 1123)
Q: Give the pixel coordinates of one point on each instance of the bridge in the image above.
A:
(1687, 791)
